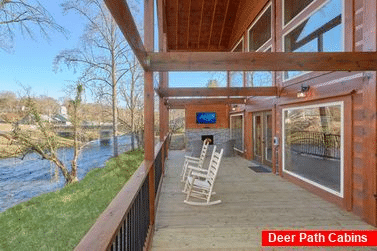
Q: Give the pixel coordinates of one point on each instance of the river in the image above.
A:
(23, 179)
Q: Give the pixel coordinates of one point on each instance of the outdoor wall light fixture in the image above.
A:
(304, 90)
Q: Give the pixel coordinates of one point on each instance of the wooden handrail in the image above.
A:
(159, 145)
(100, 236)
(103, 232)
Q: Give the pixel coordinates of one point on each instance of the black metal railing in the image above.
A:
(126, 222)
(157, 170)
(320, 144)
(133, 230)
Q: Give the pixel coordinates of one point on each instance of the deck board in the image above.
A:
(251, 202)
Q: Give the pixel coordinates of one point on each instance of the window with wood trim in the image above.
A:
(321, 31)
(312, 150)
(260, 32)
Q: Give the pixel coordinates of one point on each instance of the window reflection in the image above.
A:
(312, 144)
(321, 32)
(260, 33)
(294, 7)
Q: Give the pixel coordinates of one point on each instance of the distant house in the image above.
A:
(60, 119)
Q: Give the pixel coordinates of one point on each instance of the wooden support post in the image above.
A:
(149, 105)
(121, 13)
(164, 115)
(370, 107)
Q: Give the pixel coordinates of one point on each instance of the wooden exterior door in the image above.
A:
(262, 137)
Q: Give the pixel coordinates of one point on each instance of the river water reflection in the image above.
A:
(22, 179)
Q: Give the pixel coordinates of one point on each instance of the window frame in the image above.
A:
(238, 43)
(298, 15)
(342, 136)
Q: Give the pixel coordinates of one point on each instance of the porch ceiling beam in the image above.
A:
(261, 61)
(219, 92)
(173, 103)
(121, 12)
(161, 15)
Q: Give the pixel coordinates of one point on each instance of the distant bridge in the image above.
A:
(105, 131)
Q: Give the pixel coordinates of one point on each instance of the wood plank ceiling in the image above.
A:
(200, 25)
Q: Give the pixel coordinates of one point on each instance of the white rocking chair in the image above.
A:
(199, 183)
(192, 169)
(193, 161)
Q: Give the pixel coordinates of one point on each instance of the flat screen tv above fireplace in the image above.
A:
(206, 117)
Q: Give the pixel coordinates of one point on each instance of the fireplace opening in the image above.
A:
(204, 137)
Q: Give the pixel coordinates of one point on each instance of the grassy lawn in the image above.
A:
(58, 220)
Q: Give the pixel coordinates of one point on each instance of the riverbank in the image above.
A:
(10, 149)
(58, 220)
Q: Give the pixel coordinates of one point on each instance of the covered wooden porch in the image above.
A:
(251, 202)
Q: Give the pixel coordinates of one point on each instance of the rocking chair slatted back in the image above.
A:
(214, 166)
(198, 162)
(203, 153)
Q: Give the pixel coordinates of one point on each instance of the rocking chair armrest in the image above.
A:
(191, 158)
(198, 175)
(193, 168)
(196, 162)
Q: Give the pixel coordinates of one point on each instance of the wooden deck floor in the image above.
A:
(251, 202)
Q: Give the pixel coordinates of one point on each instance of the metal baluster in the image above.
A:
(124, 225)
(129, 231)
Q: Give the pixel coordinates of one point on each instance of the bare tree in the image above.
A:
(76, 121)
(102, 55)
(8, 101)
(44, 140)
(26, 15)
(213, 83)
(132, 93)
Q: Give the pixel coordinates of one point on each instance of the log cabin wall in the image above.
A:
(357, 91)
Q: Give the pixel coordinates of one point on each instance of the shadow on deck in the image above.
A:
(251, 202)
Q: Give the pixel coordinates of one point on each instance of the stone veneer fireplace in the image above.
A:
(220, 136)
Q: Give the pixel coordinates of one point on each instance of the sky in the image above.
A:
(31, 62)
